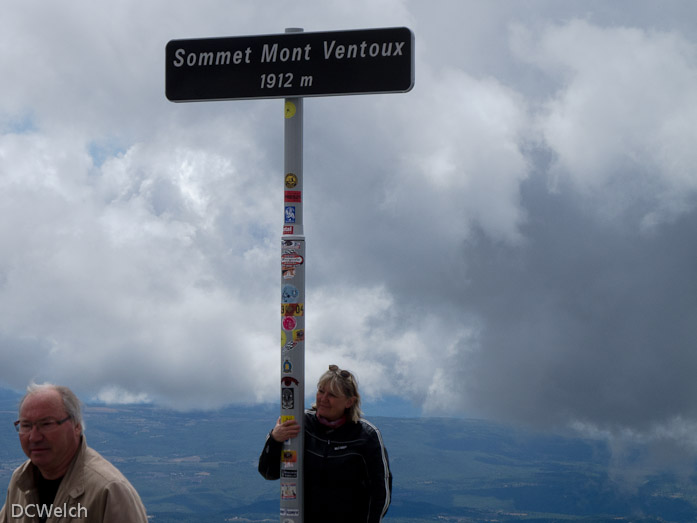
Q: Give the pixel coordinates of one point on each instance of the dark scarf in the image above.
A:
(331, 424)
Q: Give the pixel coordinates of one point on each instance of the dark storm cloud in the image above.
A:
(586, 320)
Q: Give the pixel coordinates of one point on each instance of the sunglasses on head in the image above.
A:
(337, 370)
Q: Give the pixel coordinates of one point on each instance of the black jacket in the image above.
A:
(346, 472)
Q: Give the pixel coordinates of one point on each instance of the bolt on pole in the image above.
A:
(293, 312)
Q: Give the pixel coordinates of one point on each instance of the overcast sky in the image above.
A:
(515, 238)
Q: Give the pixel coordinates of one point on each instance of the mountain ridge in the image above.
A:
(201, 466)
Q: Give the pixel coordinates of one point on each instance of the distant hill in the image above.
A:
(201, 467)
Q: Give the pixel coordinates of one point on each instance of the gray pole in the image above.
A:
(293, 311)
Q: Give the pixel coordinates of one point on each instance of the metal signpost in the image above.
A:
(291, 65)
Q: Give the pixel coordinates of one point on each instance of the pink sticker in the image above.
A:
(289, 323)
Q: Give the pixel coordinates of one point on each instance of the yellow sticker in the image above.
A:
(292, 309)
(290, 109)
(291, 180)
(289, 456)
(286, 418)
(284, 338)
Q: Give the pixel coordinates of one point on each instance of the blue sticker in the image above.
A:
(290, 213)
(290, 294)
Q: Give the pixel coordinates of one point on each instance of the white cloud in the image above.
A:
(363, 329)
(460, 150)
(113, 395)
(621, 124)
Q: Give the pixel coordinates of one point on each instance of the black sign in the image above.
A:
(290, 65)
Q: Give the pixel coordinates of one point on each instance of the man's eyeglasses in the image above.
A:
(342, 373)
(44, 426)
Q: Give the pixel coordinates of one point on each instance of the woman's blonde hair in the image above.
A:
(342, 383)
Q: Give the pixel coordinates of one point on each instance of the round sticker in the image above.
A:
(290, 109)
(291, 180)
(289, 323)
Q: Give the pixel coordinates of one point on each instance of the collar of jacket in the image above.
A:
(74, 477)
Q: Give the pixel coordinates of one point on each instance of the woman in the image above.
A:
(346, 469)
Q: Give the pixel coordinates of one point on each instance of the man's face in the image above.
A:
(53, 451)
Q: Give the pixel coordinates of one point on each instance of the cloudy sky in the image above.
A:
(513, 239)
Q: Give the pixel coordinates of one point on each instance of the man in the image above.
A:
(64, 479)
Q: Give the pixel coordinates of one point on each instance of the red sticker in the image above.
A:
(294, 196)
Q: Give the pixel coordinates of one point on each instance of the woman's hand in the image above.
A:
(286, 430)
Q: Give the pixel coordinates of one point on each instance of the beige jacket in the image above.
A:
(92, 491)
